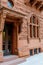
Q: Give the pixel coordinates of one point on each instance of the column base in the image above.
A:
(1, 56)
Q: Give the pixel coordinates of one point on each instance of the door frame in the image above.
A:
(14, 50)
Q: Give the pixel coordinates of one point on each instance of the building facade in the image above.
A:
(21, 27)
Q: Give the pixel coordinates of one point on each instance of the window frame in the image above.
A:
(31, 52)
(35, 51)
(10, 3)
(39, 50)
(36, 25)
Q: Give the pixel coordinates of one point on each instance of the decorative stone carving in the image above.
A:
(2, 20)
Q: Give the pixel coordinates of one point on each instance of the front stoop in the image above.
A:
(9, 58)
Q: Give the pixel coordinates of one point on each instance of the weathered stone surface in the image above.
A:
(20, 13)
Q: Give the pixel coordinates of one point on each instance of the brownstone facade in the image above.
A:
(23, 21)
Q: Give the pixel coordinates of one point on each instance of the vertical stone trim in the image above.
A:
(15, 39)
(39, 32)
(2, 20)
(36, 32)
(24, 29)
(35, 26)
(22, 44)
(28, 28)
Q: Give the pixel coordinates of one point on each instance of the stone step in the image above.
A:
(14, 61)
(18, 61)
(9, 58)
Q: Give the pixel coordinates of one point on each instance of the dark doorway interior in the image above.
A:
(7, 38)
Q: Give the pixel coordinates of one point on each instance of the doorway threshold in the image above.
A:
(10, 57)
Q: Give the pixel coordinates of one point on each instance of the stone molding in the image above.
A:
(3, 16)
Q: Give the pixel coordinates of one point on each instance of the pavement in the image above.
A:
(36, 59)
(13, 60)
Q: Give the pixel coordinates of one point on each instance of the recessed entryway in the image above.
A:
(8, 36)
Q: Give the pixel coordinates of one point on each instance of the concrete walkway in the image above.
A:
(12, 60)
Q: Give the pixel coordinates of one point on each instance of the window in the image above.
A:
(31, 52)
(39, 50)
(19, 30)
(34, 27)
(34, 31)
(33, 19)
(30, 30)
(35, 51)
(10, 3)
(31, 2)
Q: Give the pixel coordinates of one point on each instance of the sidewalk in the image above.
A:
(12, 60)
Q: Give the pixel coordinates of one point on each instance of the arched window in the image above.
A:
(34, 27)
(10, 3)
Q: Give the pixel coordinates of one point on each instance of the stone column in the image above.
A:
(2, 20)
(23, 39)
(14, 44)
(28, 29)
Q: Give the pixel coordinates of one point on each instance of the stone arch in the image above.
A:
(34, 16)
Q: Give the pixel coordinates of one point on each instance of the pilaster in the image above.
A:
(2, 20)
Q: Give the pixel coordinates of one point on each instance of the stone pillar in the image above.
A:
(2, 20)
(22, 39)
(28, 29)
(14, 44)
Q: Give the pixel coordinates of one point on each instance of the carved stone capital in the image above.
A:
(4, 13)
(2, 21)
